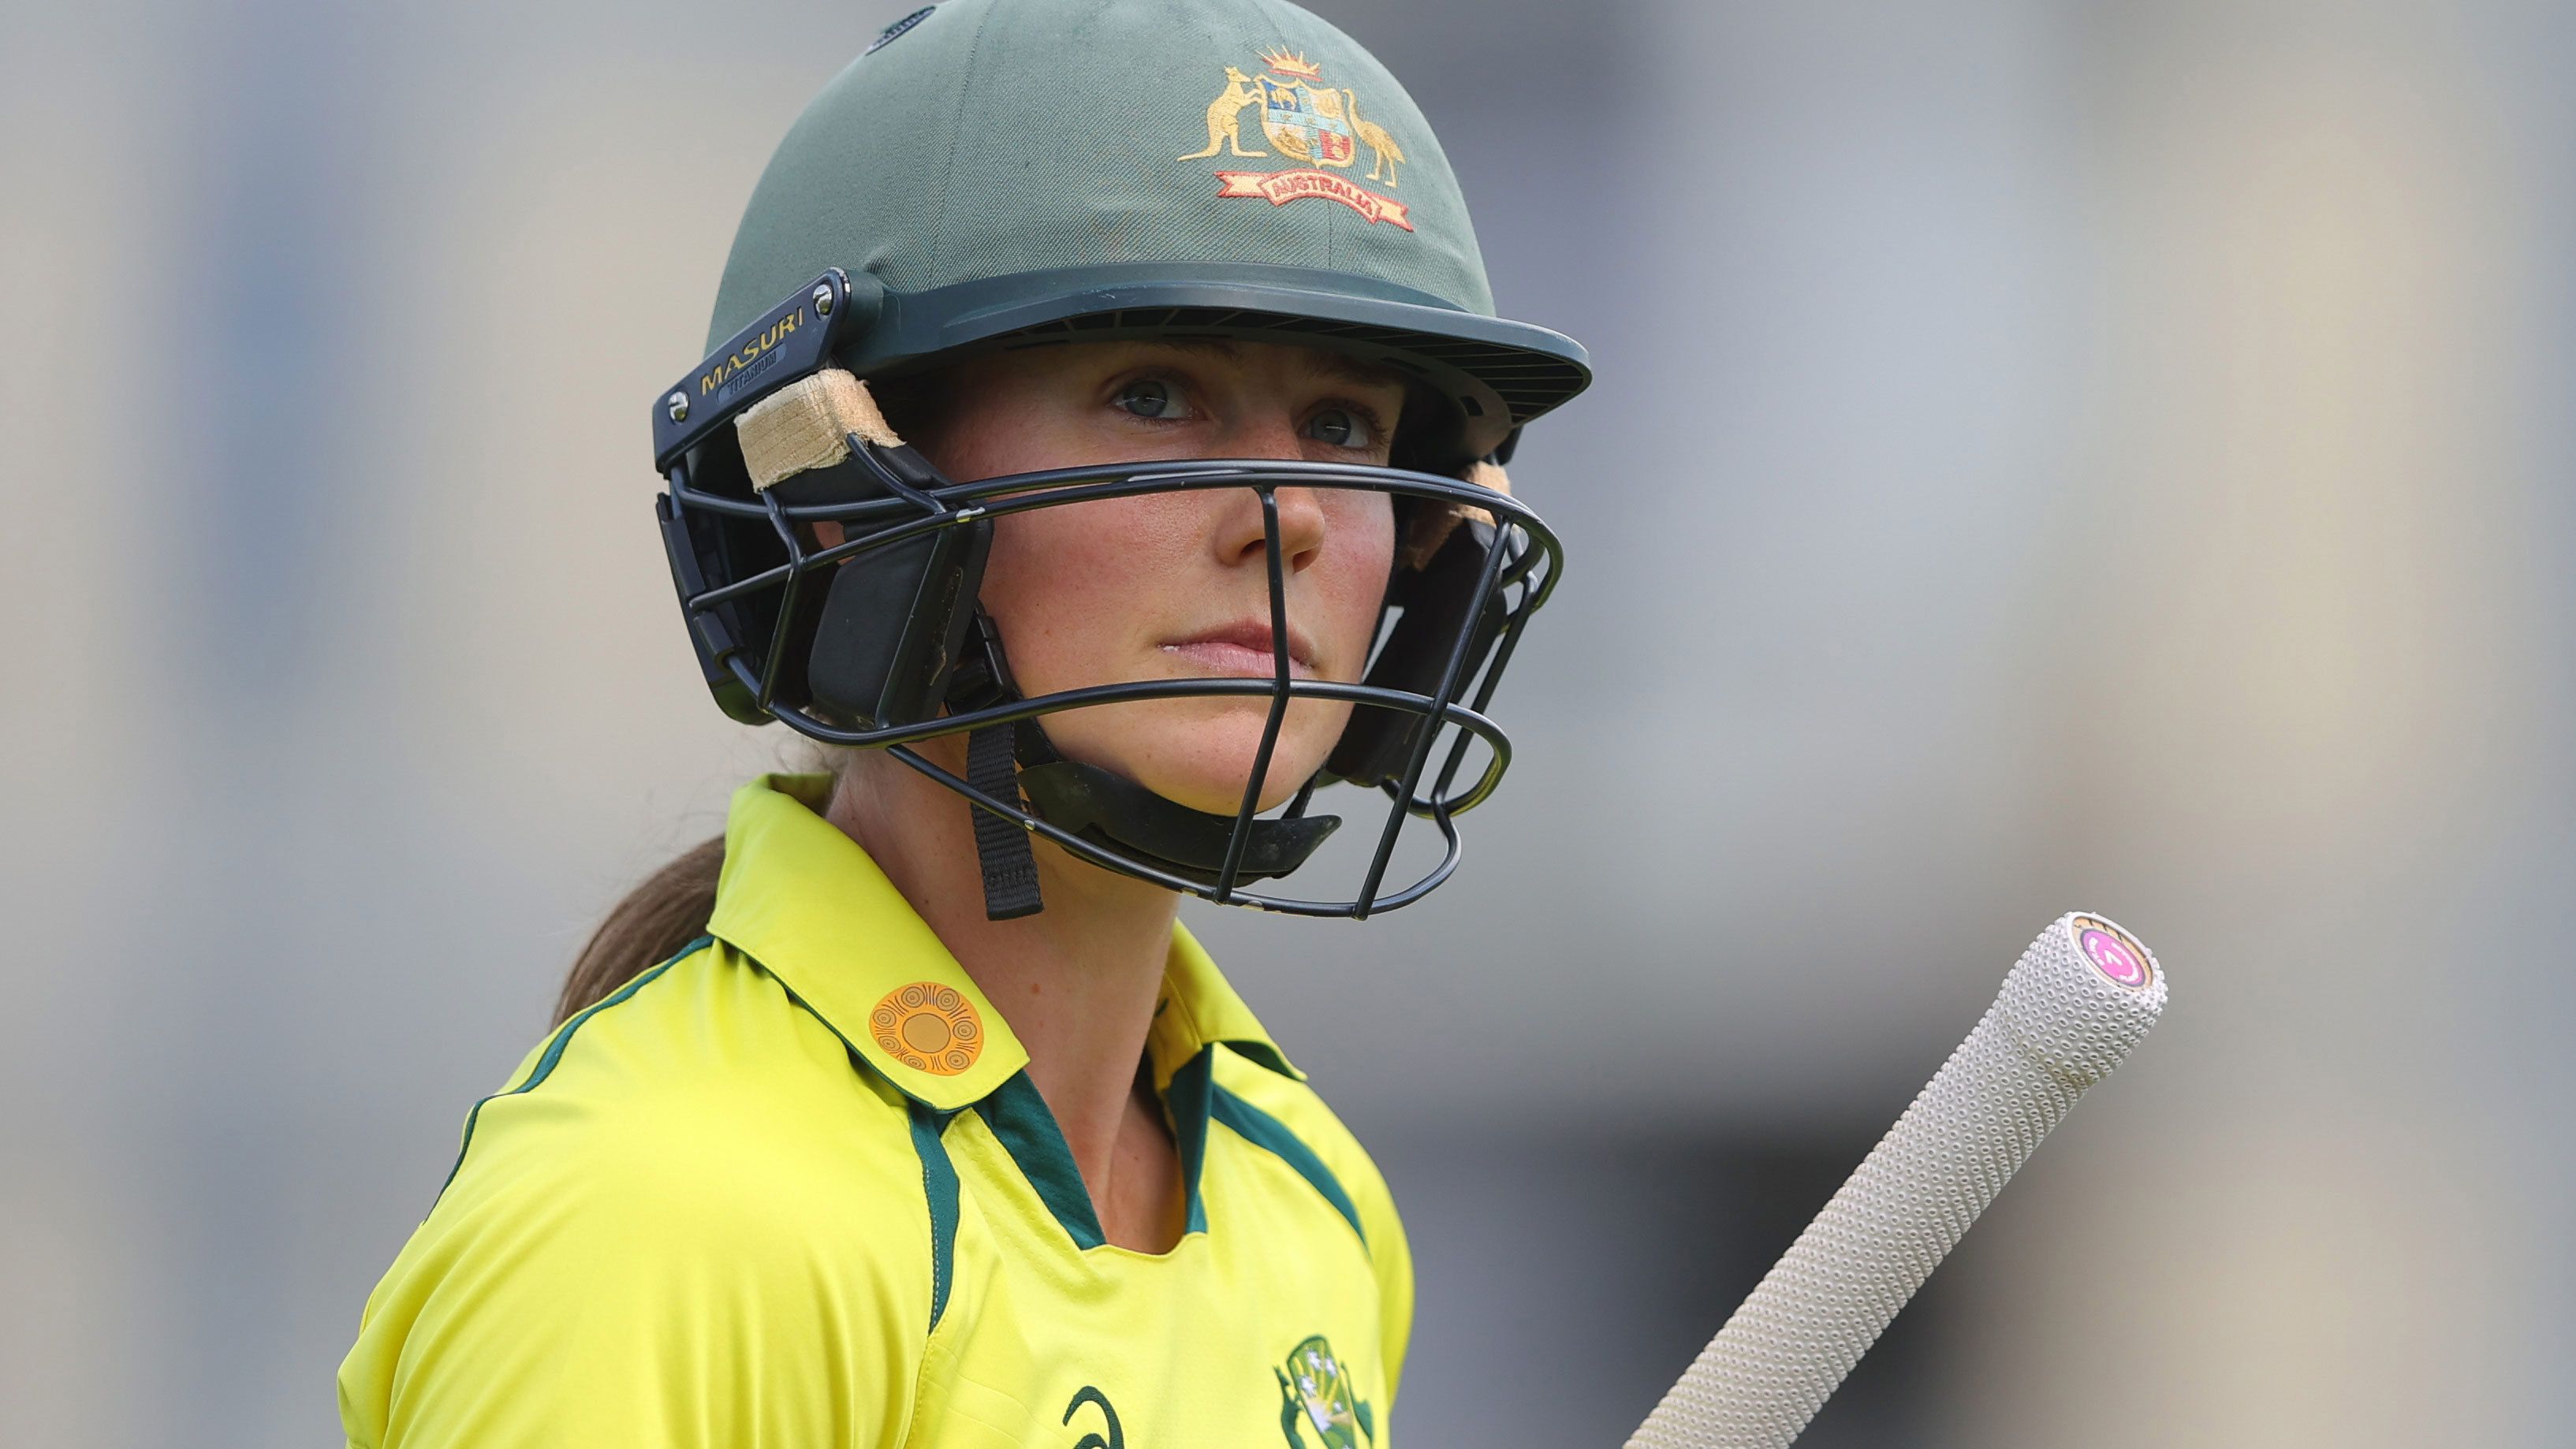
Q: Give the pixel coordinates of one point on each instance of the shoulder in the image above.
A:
(694, 1172)
(1287, 1116)
(702, 1079)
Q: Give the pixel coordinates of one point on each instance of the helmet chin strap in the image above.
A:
(1001, 846)
(1008, 761)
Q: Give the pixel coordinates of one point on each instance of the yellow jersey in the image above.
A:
(793, 1188)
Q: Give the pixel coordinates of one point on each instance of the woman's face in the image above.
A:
(1174, 585)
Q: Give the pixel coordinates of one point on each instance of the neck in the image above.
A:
(1078, 981)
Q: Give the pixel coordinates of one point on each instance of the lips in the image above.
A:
(1244, 648)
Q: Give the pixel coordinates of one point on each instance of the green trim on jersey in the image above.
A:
(554, 1052)
(1271, 1135)
(1020, 1119)
(1186, 1101)
(939, 1190)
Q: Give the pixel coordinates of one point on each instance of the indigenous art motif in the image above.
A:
(1306, 121)
(929, 1028)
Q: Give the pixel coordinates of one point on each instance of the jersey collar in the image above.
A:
(1198, 1009)
(800, 897)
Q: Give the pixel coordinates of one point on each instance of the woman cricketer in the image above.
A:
(1099, 452)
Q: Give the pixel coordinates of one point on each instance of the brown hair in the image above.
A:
(668, 911)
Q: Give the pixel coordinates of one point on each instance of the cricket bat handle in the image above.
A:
(2070, 1010)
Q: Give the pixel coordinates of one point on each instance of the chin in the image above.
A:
(1203, 762)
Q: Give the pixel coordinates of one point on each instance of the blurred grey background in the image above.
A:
(2046, 454)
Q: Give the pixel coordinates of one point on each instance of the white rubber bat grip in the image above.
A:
(2070, 1010)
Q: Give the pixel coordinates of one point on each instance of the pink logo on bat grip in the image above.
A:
(2112, 957)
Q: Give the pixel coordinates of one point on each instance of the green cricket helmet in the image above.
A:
(1002, 174)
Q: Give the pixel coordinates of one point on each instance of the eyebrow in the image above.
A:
(1324, 360)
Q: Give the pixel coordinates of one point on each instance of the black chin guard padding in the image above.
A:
(895, 620)
(1436, 600)
(1112, 811)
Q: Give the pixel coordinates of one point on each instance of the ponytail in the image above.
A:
(668, 911)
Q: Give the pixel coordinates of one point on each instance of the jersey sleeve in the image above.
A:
(663, 1274)
(1392, 1257)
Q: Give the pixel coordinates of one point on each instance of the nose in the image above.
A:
(1302, 528)
(1302, 525)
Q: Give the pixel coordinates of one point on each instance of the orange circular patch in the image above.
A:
(929, 1028)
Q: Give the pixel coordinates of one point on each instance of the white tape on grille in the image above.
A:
(2070, 1010)
(807, 424)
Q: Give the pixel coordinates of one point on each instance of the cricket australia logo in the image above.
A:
(1314, 1391)
(1306, 121)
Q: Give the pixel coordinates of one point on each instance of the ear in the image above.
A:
(1432, 526)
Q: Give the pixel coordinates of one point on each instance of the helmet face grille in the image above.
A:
(1418, 722)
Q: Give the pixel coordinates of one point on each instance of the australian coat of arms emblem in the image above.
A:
(1315, 1392)
(1307, 121)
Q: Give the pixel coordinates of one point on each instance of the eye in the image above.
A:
(1342, 428)
(1153, 397)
